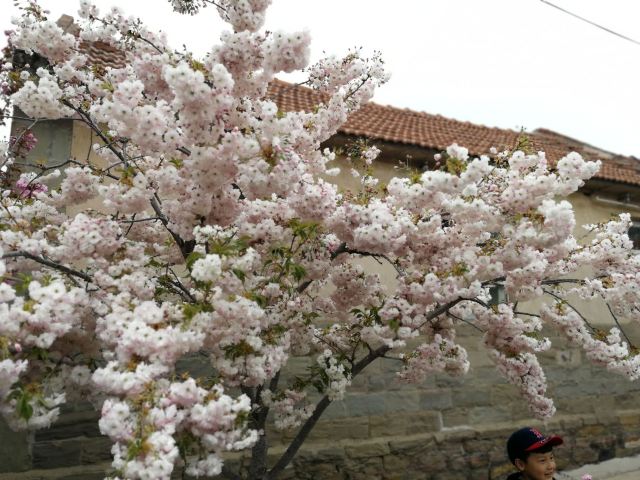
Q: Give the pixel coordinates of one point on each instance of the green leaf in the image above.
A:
(455, 166)
(190, 310)
(241, 419)
(261, 300)
(39, 353)
(238, 350)
(108, 86)
(177, 162)
(154, 263)
(134, 449)
(192, 258)
(239, 273)
(23, 407)
(298, 271)
(22, 285)
(394, 324)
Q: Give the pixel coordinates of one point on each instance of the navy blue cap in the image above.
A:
(529, 439)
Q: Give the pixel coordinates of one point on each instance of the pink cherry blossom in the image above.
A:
(206, 222)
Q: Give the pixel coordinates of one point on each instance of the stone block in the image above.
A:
(504, 395)
(436, 399)
(425, 421)
(15, 450)
(454, 417)
(574, 404)
(489, 375)
(591, 431)
(388, 381)
(457, 462)
(330, 452)
(388, 425)
(96, 450)
(446, 381)
(572, 422)
(481, 444)
(583, 454)
(568, 358)
(364, 468)
(57, 453)
(456, 437)
(336, 409)
(346, 428)
(478, 357)
(365, 449)
(479, 415)
(446, 476)
(478, 460)
(479, 473)
(497, 430)
(629, 419)
(365, 404)
(626, 400)
(70, 425)
(359, 384)
(412, 444)
(471, 397)
(432, 462)
(395, 464)
(84, 476)
(402, 401)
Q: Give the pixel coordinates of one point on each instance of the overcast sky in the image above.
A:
(504, 63)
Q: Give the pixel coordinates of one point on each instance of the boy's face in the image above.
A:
(539, 466)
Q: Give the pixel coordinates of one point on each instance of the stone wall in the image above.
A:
(445, 428)
(450, 454)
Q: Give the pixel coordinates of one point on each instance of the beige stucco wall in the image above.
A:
(589, 209)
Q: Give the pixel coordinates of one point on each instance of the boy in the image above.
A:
(532, 454)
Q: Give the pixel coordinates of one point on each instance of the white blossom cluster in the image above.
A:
(205, 222)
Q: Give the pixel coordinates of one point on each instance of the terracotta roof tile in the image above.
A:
(422, 129)
(437, 132)
(103, 54)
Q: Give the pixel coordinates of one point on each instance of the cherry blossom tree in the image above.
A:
(205, 223)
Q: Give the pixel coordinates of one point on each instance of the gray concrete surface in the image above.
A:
(616, 469)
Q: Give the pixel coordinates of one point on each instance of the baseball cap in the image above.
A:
(529, 439)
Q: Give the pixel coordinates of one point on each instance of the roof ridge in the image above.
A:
(420, 113)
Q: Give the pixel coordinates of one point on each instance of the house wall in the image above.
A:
(54, 139)
(444, 428)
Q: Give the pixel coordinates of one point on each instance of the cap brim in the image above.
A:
(552, 441)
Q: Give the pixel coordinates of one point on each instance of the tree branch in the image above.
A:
(85, 117)
(258, 465)
(155, 204)
(137, 220)
(526, 313)
(465, 321)
(560, 299)
(49, 263)
(563, 280)
(615, 319)
(344, 249)
(304, 431)
(17, 140)
(178, 284)
(443, 308)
